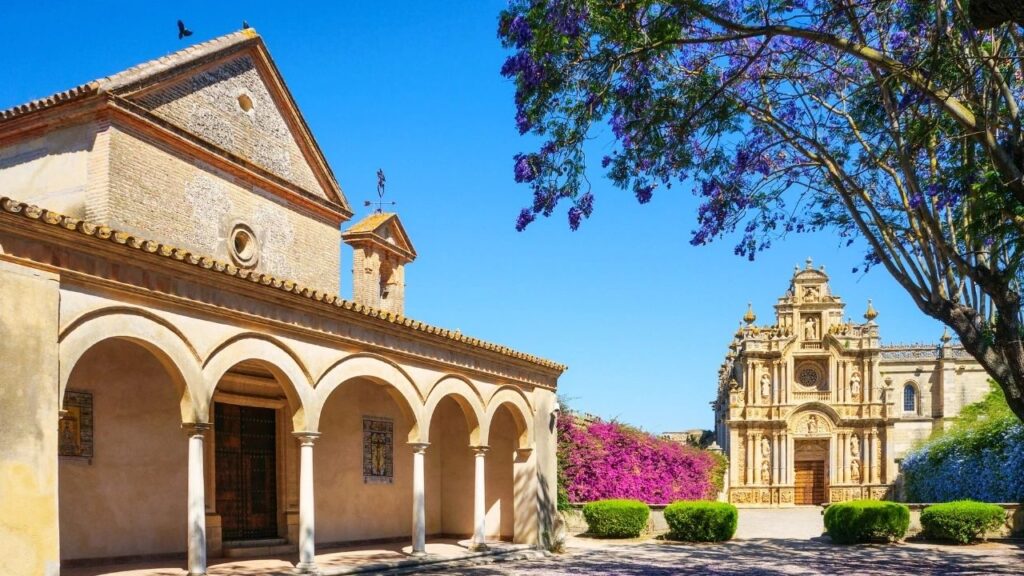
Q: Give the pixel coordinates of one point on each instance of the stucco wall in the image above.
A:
(49, 170)
(500, 473)
(454, 474)
(346, 508)
(136, 484)
(162, 196)
(28, 421)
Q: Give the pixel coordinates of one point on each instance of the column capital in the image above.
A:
(306, 438)
(419, 447)
(523, 453)
(195, 428)
(480, 450)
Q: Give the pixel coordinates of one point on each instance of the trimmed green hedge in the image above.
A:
(961, 521)
(866, 520)
(616, 518)
(701, 521)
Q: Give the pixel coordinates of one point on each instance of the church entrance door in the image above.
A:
(810, 482)
(246, 447)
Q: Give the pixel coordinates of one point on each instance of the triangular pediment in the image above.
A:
(228, 93)
(383, 229)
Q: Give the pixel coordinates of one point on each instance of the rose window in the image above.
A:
(808, 376)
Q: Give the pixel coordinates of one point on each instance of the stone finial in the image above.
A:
(945, 338)
(871, 313)
(810, 263)
(749, 317)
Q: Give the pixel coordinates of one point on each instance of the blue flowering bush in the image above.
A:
(980, 458)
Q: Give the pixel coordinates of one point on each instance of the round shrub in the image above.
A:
(616, 518)
(866, 520)
(701, 521)
(961, 521)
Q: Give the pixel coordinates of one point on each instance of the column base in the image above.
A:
(478, 547)
(307, 568)
(418, 554)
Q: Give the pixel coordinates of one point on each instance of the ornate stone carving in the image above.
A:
(766, 473)
(766, 447)
(855, 446)
(855, 385)
(855, 470)
(766, 386)
(811, 424)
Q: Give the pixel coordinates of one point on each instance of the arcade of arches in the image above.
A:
(179, 274)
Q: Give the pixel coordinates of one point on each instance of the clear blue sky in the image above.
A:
(642, 318)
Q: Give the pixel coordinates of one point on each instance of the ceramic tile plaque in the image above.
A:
(75, 432)
(378, 450)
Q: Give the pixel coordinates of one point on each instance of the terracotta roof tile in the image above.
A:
(10, 206)
(134, 74)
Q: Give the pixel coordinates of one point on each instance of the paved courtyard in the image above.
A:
(768, 542)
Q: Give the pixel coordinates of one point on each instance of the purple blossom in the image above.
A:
(525, 167)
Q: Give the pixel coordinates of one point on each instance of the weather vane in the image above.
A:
(380, 203)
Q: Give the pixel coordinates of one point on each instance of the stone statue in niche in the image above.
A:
(855, 470)
(812, 424)
(766, 385)
(766, 447)
(810, 329)
(855, 446)
(766, 474)
(855, 385)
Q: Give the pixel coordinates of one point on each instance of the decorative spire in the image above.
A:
(945, 338)
(810, 263)
(871, 313)
(749, 317)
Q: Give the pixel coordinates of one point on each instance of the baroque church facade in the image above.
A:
(181, 379)
(815, 409)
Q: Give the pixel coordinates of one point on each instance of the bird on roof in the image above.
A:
(182, 31)
(245, 25)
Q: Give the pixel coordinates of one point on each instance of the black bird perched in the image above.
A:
(245, 25)
(182, 31)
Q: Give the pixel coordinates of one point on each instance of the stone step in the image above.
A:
(263, 547)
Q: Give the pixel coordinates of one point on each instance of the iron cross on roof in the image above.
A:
(380, 203)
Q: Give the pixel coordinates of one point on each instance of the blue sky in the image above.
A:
(642, 318)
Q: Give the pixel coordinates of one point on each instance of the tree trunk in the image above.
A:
(997, 348)
(987, 14)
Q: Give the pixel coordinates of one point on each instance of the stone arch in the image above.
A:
(153, 333)
(283, 363)
(378, 369)
(519, 407)
(465, 395)
(813, 418)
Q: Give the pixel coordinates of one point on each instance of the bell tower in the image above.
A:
(381, 249)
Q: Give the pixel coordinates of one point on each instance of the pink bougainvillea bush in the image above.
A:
(599, 460)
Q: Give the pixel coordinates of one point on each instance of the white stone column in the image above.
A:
(479, 503)
(307, 508)
(419, 514)
(196, 499)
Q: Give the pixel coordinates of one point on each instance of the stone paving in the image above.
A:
(769, 543)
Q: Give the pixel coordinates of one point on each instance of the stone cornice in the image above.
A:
(33, 222)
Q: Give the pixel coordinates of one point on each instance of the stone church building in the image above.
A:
(814, 408)
(180, 378)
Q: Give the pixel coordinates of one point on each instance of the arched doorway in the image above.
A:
(363, 464)
(253, 458)
(500, 505)
(450, 473)
(124, 457)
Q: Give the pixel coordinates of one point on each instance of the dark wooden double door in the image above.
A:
(810, 482)
(246, 468)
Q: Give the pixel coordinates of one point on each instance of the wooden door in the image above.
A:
(810, 482)
(246, 471)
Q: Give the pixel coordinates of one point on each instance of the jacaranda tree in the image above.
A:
(896, 121)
